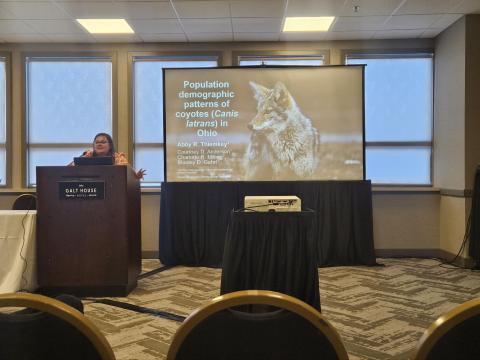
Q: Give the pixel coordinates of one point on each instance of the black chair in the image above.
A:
(454, 335)
(49, 329)
(25, 202)
(290, 329)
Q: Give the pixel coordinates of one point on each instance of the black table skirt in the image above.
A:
(271, 251)
(194, 218)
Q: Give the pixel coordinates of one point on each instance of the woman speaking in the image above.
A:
(103, 146)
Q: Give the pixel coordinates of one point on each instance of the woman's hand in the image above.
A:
(140, 173)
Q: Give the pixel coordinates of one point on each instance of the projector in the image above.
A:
(272, 203)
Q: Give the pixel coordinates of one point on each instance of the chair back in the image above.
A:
(293, 330)
(25, 202)
(57, 331)
(454, 335)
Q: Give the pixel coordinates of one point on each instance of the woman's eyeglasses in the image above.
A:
(100, 142)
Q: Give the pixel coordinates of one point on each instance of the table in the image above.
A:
(194, 218)
(271, 251)
(17, 250)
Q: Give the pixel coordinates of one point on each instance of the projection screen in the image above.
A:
(264, 123)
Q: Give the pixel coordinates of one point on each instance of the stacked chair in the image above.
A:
(256, 324)
(50, 329)
(454, 335)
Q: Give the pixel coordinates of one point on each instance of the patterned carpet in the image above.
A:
(380, 312)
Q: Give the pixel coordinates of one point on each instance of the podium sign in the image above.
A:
(81, 189)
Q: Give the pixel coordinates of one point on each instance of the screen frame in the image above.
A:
(164, 70)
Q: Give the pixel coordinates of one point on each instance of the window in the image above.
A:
(3, 121)
(398, 116)
(282, 58)
(148, 109)
(68, 101)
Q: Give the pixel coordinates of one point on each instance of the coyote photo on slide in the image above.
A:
(283, 142)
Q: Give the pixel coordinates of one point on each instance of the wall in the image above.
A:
(150, 224)
(452, 223)
(449, 133)
(449, 110)
(6, 200)
(457, 129)
(402, 219)
(406, 222)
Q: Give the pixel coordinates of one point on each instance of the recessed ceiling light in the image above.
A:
(106, 26)
(321, 23)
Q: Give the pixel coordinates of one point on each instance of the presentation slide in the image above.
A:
(264, 124)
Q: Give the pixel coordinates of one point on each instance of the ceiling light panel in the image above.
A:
(106, 26)
(307, 24)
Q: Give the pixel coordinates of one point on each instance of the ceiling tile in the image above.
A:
(349, 35)
(80, 10)
(127, 1)
(149, 10)
(430, 33)
(264, 25)
(124, 10)
(19, 38)
(256, 36)
(71, 38)
(352, 23)
(370, 7)
(301, 36)
(5, 13)
(427, 6)
(34, 10)
(32, 1)
(401, 22)
(250, 8)
(398, 34)
(163, 37)
(207, 25)
(468, 7)
(229, 20)
(116, 38)
(446, 20)
(17, 27)
(314, 8)
(78, 1)
(208, 37)
(167, 26)
(202, 9)
(56, 26)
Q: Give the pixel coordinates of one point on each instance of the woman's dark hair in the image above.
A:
(111, 152)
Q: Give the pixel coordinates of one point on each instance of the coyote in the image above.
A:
(283, 142)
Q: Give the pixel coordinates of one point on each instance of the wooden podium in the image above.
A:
(88, 230)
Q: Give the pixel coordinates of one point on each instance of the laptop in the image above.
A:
(94, 160)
